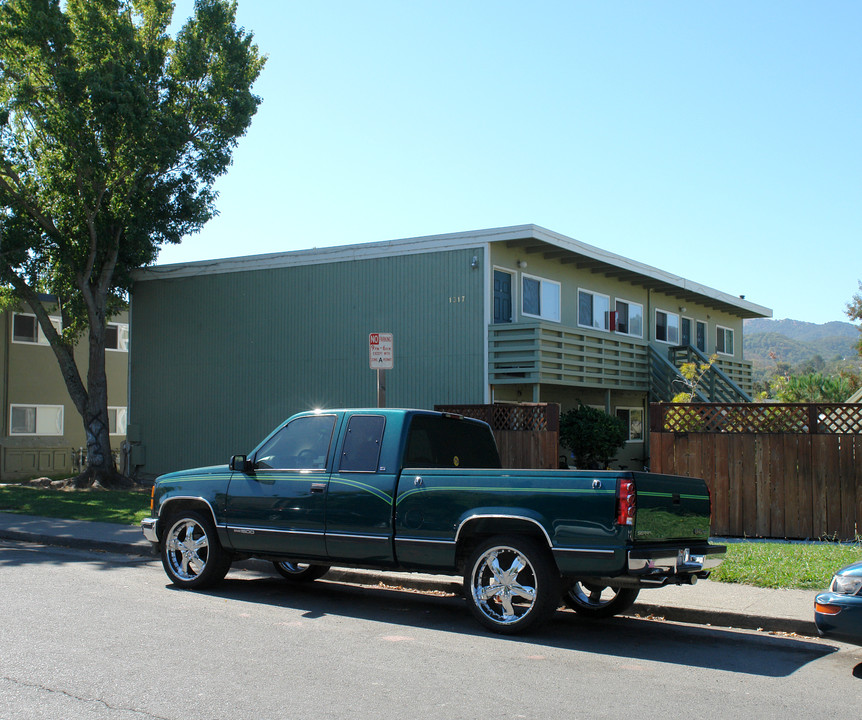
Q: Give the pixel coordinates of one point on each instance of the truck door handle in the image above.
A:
(318, 487)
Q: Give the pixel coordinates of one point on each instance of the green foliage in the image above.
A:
(592, 436)
(694, 374)
(811, 388)
(854, 312)
(805, 566)
(112, 135)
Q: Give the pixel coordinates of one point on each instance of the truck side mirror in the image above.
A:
(241, 463)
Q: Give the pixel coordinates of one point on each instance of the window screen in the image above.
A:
(24, 328)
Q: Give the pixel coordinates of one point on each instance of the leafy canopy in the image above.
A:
(111, 137)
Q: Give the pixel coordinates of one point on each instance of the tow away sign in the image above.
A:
(380, 351)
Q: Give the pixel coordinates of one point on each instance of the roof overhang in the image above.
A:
(531, 239)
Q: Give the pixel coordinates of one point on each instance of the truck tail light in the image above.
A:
(626, 502)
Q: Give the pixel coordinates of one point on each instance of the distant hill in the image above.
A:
(796, 342)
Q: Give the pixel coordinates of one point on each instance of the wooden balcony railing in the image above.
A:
(550, 353)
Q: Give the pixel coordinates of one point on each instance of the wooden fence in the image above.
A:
(779, 471)
(527, 434)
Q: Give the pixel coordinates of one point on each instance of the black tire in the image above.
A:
(511, 584)
(599, 601)
(299, 572)
(192, 555)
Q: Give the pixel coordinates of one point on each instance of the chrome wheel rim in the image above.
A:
(294, 568)
(593, 596)
(504, 585)
(188, 549)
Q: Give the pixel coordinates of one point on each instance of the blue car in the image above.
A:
(838, 611)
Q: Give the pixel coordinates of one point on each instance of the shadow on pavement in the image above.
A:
(15, 553)
(634, 639)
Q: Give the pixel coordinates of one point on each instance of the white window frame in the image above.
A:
(631, 304)
(630, 410)
(606, 321)
(122, 337)
(122, 419)
(655, 326)
(722, 330)
(40, 336)
(543, 284)
(58, 431)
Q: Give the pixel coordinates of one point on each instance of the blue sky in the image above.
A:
(720, 141)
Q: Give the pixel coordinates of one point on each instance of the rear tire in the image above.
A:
(299, 572)
(511, 584)
(599, 601)
(192, 555)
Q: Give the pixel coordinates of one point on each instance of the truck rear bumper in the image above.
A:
(661, 566)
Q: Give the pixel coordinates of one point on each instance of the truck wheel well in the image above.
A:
(478, 530)
(170, 508)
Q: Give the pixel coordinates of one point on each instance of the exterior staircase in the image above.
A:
(666, 380)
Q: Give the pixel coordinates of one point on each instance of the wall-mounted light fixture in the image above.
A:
(474, 263)
(682, 308)
(521, 263)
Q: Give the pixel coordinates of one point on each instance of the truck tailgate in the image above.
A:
(670, 508)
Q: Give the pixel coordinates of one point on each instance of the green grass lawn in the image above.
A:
(114, 506)
(807, 566)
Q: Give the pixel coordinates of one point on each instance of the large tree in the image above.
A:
(112, 134)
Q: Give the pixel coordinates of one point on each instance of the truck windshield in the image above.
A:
(445, 442)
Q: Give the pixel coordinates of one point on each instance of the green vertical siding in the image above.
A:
(219, 359)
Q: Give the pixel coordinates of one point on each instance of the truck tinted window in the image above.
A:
(437, 441)
(302, 444)
(361, 449)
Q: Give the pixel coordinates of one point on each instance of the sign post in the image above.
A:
(381, 357)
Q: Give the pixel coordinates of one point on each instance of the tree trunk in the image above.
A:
(101, 470)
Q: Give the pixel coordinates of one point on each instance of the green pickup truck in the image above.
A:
(415, 490)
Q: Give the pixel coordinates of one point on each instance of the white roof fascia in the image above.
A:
(437, 243)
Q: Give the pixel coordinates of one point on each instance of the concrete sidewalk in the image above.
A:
(707, 603)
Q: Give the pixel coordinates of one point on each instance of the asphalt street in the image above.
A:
(103, 635)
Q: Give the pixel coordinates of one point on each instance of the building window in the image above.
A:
(724, 340)
(540, 298)
(630, 318)
(700, 339)
(26, 329)
(117, 420)
(667, 327)
(36, 420)
(117, 337)
(594, 310)
(634, 420)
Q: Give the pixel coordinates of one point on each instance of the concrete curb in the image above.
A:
(80, 543)
(724, 619)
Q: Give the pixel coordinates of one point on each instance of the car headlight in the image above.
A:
(846, 584)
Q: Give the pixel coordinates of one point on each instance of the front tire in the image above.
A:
(191, 553)
(511, 584)
(299, 572)
(599, 601)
